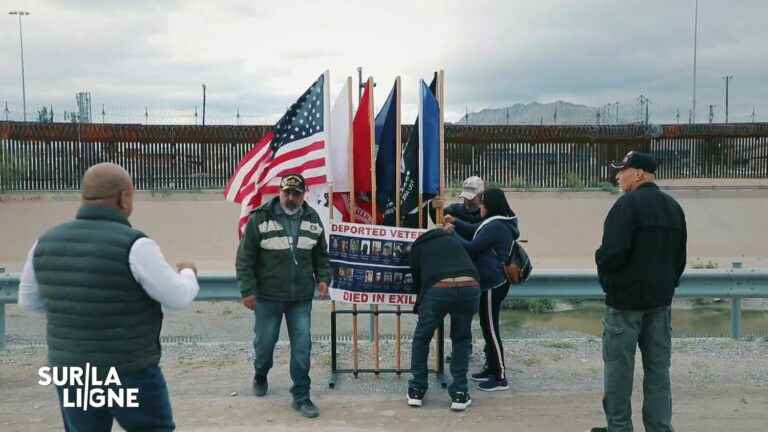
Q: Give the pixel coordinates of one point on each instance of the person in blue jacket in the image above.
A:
(489, 244)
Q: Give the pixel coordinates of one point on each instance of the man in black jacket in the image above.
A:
(469, 209)
(446, 280)
(639, 264)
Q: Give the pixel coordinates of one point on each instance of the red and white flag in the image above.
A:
(296, 144)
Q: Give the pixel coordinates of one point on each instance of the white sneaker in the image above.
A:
(460, 401)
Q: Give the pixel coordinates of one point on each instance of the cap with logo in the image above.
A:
(641, 161)
(472, 187)
(293, 182)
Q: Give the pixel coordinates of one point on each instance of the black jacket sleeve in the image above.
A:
(618, 231)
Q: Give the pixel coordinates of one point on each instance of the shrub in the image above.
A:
(573, 181)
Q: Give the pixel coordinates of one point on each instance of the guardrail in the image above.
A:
(735, 284)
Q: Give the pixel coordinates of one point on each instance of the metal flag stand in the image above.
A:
(377, 370)
(375, 311)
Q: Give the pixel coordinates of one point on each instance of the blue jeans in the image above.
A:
(152, 414)
(298, 319)
(461, 304)
(623, 332)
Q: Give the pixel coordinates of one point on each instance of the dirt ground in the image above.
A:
(718, 384)
(556, 386)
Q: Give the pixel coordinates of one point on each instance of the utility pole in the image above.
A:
(695, 41)
(617, 113)
(7, 112)
(195, 115)
(103, 113)
(204, 104)
(22, 13)
(711, 113)
(690, 117)
(727, 79)
(466, 117)
(238, 116)
(555, 116)
(507, 116)
(677, 116)
(647, 118)
(598, 116)
(753, 112)
(146, 115)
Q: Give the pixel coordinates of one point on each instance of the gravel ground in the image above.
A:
(556, 382)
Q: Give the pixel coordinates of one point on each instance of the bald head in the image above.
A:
(108, 184)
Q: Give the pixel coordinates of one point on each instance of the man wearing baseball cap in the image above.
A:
(639, 264)
(469, 209)
(281, 258)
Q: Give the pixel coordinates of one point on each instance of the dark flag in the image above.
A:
(386, 136)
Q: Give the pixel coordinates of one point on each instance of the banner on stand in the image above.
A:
(370, 264)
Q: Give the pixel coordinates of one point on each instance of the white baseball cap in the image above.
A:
(472, 187)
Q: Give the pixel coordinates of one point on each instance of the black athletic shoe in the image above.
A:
(481, 376)
(493, 384)
(460, 401)
(260, 385)
(415, 396)
(598, 429)
(306, 408)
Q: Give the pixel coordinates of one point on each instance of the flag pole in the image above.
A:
(398, 152)
(374, 216)
(420, 177)
(352, 212)
(373, 151)
(350, 150)
(439, 212)
(441, 105)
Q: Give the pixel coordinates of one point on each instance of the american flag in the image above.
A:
(296, 144)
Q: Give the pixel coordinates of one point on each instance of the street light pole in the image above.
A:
(727, 79)
(204, 88)
(21, 13)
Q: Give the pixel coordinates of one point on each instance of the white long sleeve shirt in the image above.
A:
(161, 282)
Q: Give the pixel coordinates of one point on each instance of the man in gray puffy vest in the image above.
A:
(103, 286)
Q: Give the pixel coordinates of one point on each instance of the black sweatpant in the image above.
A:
(490, 304)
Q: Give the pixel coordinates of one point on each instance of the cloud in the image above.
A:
(259, 56)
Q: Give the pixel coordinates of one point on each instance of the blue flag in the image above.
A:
(429, 142)
(410, 178)
(386, 135)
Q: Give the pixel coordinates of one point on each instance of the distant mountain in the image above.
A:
(534, 113)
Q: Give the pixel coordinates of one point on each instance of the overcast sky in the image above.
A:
(261, 55)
